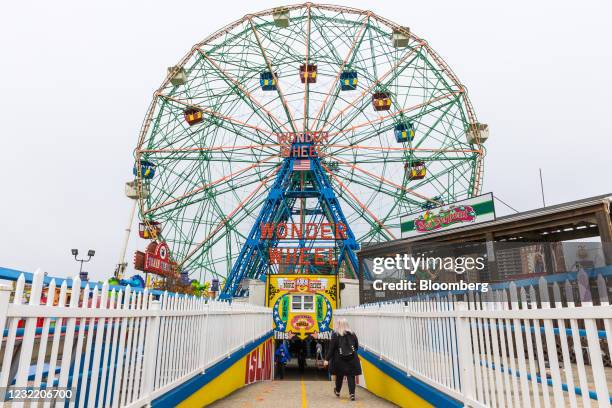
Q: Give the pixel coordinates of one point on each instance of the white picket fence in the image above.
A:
(115, 348)
(510, 348)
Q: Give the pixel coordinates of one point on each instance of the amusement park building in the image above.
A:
(514, 240)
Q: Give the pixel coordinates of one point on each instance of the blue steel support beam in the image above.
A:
(253, 260)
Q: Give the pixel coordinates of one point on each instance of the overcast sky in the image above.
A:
(77, 77)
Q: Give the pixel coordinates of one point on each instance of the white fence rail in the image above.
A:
(115, 348)
(510, 348)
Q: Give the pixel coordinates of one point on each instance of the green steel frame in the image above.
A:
(213, 177)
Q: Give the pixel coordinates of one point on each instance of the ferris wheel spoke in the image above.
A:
(307, 83)
(327, 42)
(364, 208)
(398, 208)
(199, 218)
(244, 92)
(186, 231)
(203, 253)
(445, 128)
(378, 187)
(444, 69)
(342, 148)
(375, 188)
(207, 185)
(364, 159)
(171, 130)
(216, 124)
(360, 215)
(435, 177)
(373, 58)
(278, 86)
(176, 178)
(375, 134)
(244, 125)
(445, 191)
(228, 228)
(386, 181)
(226, 231)
(360, 109)
(347, 60)
(382, 118)
(227, 186)
(440, 120)
(242, 181)
(231, 214)
(382, 123)
(376, 83)
(239, 149)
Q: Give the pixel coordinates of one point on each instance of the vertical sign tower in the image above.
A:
(301, 227)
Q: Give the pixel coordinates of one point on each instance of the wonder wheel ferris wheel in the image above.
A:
(397, 132)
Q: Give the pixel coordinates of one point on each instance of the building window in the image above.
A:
(302, 303)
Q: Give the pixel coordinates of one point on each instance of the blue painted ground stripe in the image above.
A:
(425, 391)
(592, 394)
(185, 390)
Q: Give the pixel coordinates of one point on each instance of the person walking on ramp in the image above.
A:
(342, 357)
(281, 357)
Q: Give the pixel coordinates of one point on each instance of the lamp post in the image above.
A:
(90, 254)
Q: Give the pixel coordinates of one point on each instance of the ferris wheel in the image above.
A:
(399, 132)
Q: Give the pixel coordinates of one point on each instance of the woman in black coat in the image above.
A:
(342, 357)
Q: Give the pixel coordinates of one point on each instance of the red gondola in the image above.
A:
(416, 170)
(381, 101)
(308, 73)
(193, 116)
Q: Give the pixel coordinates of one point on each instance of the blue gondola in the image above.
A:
(404, 132)
(267, 80)
(214, 285)
(185, 277)
(348, 80)
(147, 169)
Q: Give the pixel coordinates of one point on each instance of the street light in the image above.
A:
(90, 254)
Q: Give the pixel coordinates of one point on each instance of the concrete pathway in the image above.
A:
(310, 390)
(298, 394)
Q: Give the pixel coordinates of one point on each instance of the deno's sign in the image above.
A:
(461, 213)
